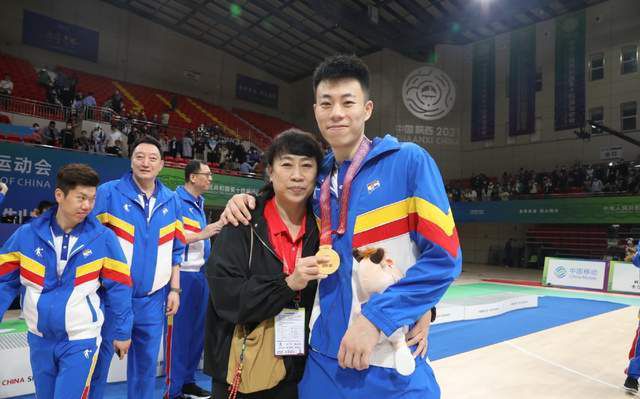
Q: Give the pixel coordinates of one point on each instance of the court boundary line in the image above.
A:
(560, 366)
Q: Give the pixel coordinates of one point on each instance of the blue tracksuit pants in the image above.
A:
(323, 378)
(185, 336)
(634, 355)
(62, 368)
(146, 336)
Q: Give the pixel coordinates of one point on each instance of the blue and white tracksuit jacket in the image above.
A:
(64, 314)
(185, 335)
(151, 239)
(634, 353)
(398, 202)
(151, 235)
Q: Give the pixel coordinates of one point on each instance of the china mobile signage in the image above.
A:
(575, 273)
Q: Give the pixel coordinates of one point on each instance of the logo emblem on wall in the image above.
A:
(429, 93)
(560, 272)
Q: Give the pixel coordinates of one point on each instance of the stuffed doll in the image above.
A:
(375, 273)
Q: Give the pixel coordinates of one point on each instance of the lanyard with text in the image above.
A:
(325, 209)
(287, 269)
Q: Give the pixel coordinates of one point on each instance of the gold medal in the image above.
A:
(334, 259)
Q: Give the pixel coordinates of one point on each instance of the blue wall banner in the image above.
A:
(51, 34)
(30, 172)
(256, 91)
(570, 71)
(483, 96)
(522, 82)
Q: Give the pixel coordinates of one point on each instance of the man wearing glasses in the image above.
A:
(185, 333)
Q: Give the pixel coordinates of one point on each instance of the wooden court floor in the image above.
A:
(582, 360)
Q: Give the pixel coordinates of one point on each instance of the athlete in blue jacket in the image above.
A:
(395, 200)
(185, 336)
(633, 371)
(145, 216)
(58, 262)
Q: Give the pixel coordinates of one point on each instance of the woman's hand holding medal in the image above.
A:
(307, 269)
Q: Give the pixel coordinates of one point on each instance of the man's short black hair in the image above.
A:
(76, 174)
(191, 168)
(148, 140)
(342, 66)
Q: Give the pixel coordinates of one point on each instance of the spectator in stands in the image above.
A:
(117, 103)
(199, 145)
(51, 135)
(89, 103)
(77, 105)
(132, 137)
(67, 136)
(6, 90)
(187, 146)
(222, 156)
(164, 120)
(173, 146)
(53, 96)
(246, 167)
(44, 78)
(37, 211)
(597, 186)
(115, 135)
(98, 139)
(174, 102)
(164, 145)
(117, 150)
(83, 143)
(153, 126)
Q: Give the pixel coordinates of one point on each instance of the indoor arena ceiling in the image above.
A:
(288, 38)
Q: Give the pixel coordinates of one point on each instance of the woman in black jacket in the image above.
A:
(247, 293)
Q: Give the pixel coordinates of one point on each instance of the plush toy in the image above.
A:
(375, 273)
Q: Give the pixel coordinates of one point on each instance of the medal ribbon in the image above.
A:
(325, 196)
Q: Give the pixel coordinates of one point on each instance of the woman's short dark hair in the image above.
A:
(294, 142)
(76, 174)
(342, 66)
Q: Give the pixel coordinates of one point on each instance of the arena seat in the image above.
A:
(268, 124)
(24, 77)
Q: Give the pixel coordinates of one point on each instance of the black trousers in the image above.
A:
(284, 390)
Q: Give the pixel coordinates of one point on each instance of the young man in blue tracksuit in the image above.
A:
(58, 262)
(185, 336)
(395, 200)
(633, 371)
(145, 216)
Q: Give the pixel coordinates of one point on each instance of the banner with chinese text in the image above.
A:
(570, 71)
(30, 172)
(522, 82)
(223, 187)
(625, 209)
(483, 96)
(52, 34)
